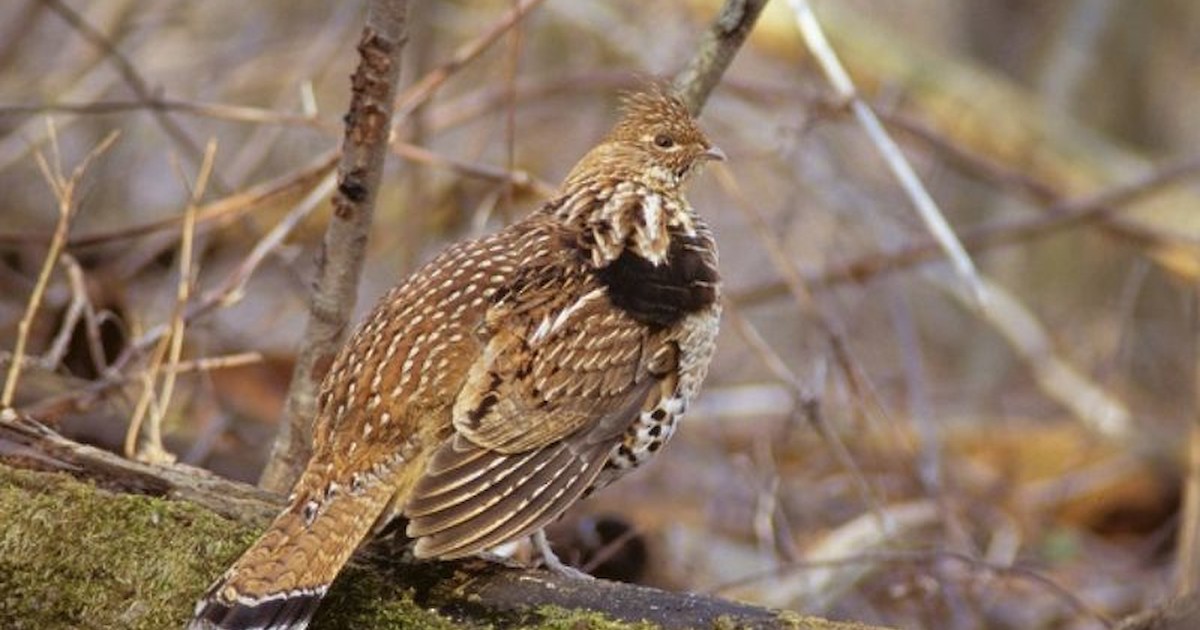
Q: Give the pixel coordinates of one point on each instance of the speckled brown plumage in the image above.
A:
(508, 377)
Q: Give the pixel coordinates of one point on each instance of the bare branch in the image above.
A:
(64, 190)
(716, 51)
(132, 77)
(364, 149)
(228, 291)
(210, 216)
(428, 85)
(926, 207)
(832, 330)
(170, 345)
(1060, 215)
(1055, 376)
(75, 310)
(153, 450)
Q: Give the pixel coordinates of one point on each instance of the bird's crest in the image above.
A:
(655, 107)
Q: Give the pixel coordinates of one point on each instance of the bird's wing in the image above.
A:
(542, 378)
(558, 382)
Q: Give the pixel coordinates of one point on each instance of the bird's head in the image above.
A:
(626, 194)
(657, 132)
(656, 142)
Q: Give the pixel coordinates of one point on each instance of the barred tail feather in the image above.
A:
(283, 611)
(279, 581)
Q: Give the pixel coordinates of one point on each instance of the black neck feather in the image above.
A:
(662, 295)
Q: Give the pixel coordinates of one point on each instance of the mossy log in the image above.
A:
(90, 540)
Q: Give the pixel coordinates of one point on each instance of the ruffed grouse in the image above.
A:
(507, 378)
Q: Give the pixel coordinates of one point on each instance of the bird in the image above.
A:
(508, 377)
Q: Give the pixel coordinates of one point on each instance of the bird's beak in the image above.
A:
(715, 154)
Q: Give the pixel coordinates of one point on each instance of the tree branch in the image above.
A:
(364, 147)
(715, 51)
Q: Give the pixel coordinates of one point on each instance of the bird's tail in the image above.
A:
(279, 581)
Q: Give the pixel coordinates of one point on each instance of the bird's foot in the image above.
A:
(552, 563)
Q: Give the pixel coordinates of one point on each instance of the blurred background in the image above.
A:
(870, 445)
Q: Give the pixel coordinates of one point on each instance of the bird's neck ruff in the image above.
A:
(614, 215)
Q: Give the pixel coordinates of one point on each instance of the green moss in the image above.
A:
(725, 623)
(360, 599)
(793, 619)
(555, 618)
(72, 556)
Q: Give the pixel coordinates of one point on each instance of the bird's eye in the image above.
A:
(663, 141)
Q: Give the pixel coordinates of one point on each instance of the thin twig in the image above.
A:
(459, 110)
(216, 111)
(1075, 51)
(232, 288)
(807, 401)
(935, 221)
(223, 362)
(75, 310)
(424, 89)
(212, 215)
(147, 377)
(226, 210)
(513, 68)
(131, 76)
(1059, 216)
(611, 549)
(515, 178)
(415, 181)
(829, 327)
(928, 431)
(64, 191)
(92, 322)
(820, 588)
(228, 291)
(153, 450)
(1055, 376)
